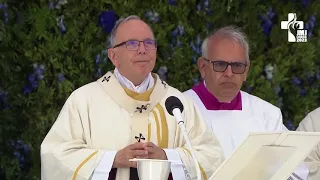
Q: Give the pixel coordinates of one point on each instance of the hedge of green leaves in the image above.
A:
(50, 48)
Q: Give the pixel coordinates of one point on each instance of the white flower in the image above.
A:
(162, 72)
(60, 3)
(152, 16)
(269, 71)
(60, 20)
(109, 41)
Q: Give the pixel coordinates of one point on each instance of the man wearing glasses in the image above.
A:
(122, 116)
(231, 113)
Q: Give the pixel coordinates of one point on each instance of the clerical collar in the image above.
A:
(212, 103)
(147, 83)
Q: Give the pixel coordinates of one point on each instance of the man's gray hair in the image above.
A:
(116, 26)
(230, 32)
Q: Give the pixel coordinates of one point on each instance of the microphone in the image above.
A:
(175, 108)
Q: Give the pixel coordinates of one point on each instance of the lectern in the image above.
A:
(267, 156)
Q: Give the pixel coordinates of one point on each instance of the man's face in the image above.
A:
(134, 62)
(224, 84)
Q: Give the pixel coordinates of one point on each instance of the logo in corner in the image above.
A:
(296, 33)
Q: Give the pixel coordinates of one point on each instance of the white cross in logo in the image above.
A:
(296, 33)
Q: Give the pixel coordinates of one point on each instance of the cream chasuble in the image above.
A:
(102, 118)
(232, 122)
(311, 123)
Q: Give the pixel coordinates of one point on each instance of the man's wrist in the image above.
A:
(164, 155)
(115, 162)
(114, 165)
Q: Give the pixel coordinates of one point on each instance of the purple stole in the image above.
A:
(212, 103)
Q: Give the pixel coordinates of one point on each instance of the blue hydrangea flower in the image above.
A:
(172, 2)
(51, 5)
(107, 20)
(61, 77)
(303, 92)
(180, 30)
(97, 58)
(193, 47)
(204, 6)
(162, 72)
(277, 89)
(176, 34)
(196, 48)
(296, 81)
(267, 21)
(290, 125)
(99, 72)
(5, 13)
(61, 25)
(21, 152)
(306, 2)
(199, 7)
(34, 78)
(309, 26)
(27, 89)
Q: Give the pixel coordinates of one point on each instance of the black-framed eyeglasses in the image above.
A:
(133, 45)
(221, 66)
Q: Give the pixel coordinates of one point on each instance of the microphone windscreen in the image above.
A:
(173, 102)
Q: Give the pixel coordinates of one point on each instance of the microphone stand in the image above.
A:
(176, 112)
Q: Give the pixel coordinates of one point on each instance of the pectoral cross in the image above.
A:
(138, 138)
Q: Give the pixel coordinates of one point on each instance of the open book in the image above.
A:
(267, 156)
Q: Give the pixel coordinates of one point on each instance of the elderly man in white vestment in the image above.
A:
(231, 113)
(311, 123)
(122, 116)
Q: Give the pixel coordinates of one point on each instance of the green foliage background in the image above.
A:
(30, 35)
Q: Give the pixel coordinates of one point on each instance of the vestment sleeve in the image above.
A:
(65, 153)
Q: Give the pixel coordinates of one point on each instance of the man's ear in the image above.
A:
(112, 56)
(247, 70)
(201, 66)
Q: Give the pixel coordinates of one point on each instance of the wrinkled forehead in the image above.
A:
(225, 49)
(133, 30)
